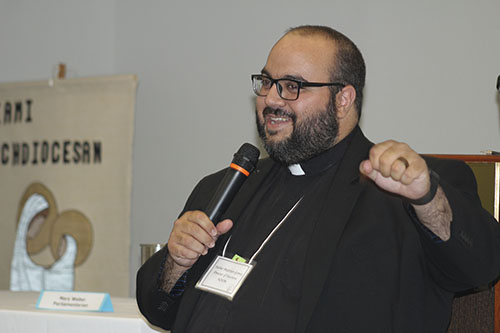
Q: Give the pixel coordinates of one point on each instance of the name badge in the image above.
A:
(224, 277)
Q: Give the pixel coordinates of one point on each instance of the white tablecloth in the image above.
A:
(18, 314)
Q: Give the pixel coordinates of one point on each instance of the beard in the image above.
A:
(312, 136)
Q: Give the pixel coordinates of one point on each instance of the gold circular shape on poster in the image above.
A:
(47, 228)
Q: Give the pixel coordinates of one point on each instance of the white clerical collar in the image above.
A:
(296, 170)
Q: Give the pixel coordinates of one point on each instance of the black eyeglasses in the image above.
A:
(288, 89)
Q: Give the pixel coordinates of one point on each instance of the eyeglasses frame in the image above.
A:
(301, 84)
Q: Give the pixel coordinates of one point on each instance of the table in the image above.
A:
(19, 314)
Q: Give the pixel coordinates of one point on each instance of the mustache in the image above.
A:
(278, 113)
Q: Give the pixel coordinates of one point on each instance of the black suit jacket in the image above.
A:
(371, 266)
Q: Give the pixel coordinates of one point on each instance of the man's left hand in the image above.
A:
(397, 168)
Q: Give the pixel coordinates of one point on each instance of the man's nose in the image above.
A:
(273, 99)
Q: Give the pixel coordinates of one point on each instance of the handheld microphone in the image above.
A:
(498, 83)
(242, 165)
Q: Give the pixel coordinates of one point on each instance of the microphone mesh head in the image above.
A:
(247, 156)
(250, 151)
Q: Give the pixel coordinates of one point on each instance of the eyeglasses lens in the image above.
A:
(287, 89)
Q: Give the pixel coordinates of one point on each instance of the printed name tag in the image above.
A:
(74, 301)
(224, 277)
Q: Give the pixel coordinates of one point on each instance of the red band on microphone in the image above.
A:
(240, 169)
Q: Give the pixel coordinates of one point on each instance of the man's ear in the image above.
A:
(345, 101)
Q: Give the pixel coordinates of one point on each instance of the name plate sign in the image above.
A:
(74, 301)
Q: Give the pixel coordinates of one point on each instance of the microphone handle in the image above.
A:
(224, 194)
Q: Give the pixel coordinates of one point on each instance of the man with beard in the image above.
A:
(373, 238)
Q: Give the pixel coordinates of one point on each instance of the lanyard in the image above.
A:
(270, 234)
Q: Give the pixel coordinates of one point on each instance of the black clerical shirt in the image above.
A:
(269, 298)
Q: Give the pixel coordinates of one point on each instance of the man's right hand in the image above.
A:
(193, 234)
